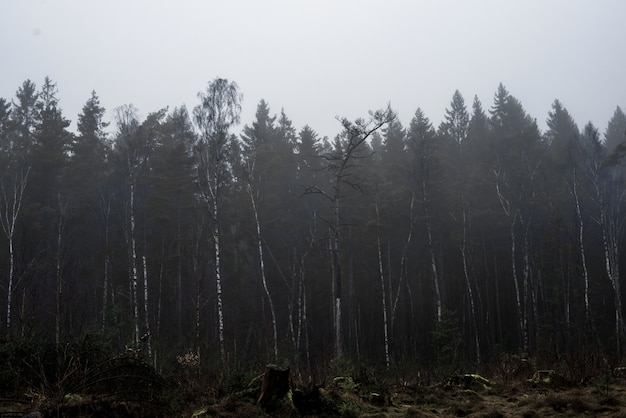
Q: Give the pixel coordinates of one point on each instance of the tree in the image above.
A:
(132, 155)
(5, 127)
(456, 121)
(454, 132)
(258, 143)
(341, 163)
(516, 145)
(12, 198)
(615, 130)
(49, 155)
(88, 201)
(564, 154)
(423, 146)
(172, 205)
(22, 121)
(218, 111)
(608, 180)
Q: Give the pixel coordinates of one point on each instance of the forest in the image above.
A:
(194, 239)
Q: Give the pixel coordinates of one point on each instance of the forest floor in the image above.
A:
(459, 396)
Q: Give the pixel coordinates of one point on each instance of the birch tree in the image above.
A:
(12, 198)
(218, 111)
(258, 140)
(132, 156)
(607, 180)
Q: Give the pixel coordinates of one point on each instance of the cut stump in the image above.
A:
(275, 385)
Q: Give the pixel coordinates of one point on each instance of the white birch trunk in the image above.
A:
(133, 264)
(10, 285)
(107, 266)
(407, 242)
(218, 281)
(262, 267)
(383, 293)
(431, 250)
(146, 312)
(512, 217)
(612, 269)
(581, 244)
(470, 293)
(11, 205)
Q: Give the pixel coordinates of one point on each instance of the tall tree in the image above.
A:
(11, 205)
(423, 146)
(258, 144)
(88, 202)
(516, 144)
(454, 131)
(132, 156)
(50, 154)
(341, 163)
(218, 111)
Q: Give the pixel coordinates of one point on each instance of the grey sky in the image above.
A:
(319, 59)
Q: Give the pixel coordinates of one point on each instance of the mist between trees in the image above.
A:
(432, 246)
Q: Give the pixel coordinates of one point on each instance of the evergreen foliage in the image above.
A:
(171, 235)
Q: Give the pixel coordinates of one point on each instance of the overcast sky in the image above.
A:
(319, 59)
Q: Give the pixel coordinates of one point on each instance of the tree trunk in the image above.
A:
(336, 278)
(146, 336)
(382, 287)
(470, 293)
(431, 250)
(218, 281)
(59, 273)
(262, 267)
(12, 202)
(275, 386)
(512, 215)
(107, 264)
(581, 245)
(133, 263)
(402, 272)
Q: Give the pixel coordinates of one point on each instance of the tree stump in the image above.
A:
(275, 385)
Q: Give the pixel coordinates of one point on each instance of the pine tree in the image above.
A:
(423, 147)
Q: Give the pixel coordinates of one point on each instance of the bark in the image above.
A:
(431, 251)
(107, 263)
(512, 216)
(581, 244)
(262, 268)
(274, 387)
(11, 205)
(382, 286)
(402, 277)
(218, 282)
(59, 272)
(336, 277)
(133, 263)
(146, 312)
(466, 275)
(610, 225)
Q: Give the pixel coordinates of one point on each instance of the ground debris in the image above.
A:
(473, 382)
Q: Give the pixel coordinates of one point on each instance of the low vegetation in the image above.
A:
(81, 379)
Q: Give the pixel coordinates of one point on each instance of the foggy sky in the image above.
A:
(321, 59)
